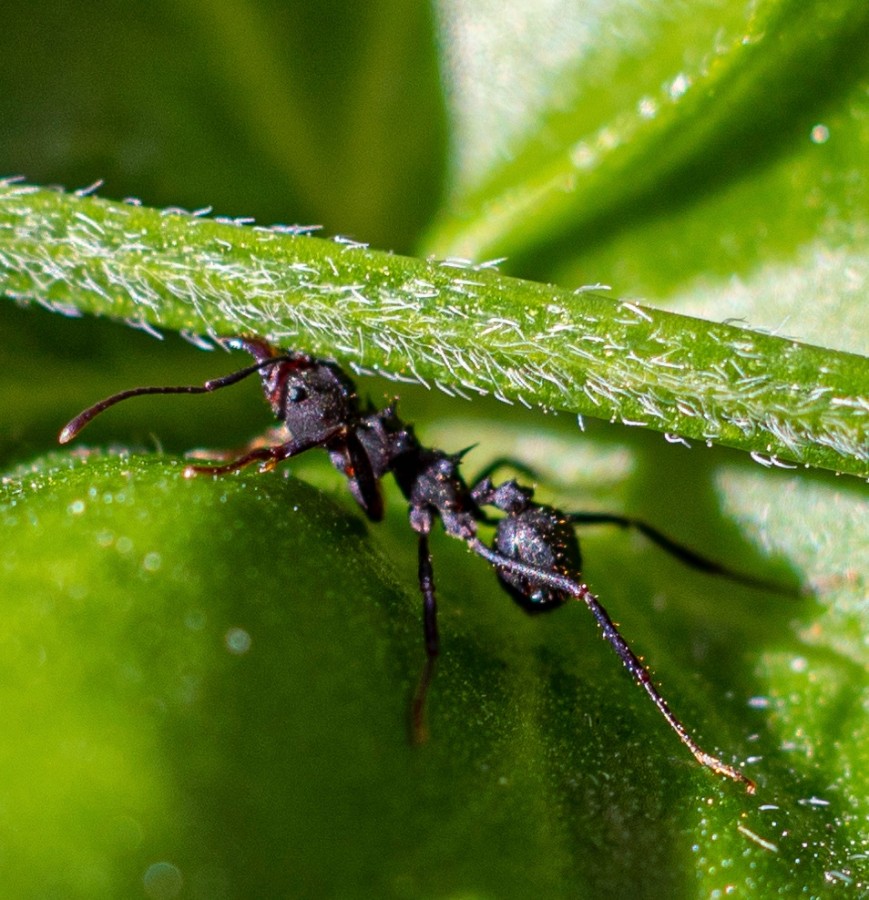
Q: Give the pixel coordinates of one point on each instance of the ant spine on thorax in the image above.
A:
(535, 552)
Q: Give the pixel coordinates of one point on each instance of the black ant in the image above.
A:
(535, 552)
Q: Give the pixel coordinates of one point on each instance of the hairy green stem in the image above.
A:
(462, 327)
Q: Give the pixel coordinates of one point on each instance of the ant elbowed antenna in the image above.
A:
(535, 552)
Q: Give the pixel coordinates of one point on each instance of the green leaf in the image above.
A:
(253, 108)
(145, 673)
(193, 700)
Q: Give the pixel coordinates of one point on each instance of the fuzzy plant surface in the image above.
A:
(625, 245)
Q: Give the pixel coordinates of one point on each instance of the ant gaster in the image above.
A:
(535, 552)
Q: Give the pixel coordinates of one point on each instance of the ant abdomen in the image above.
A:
(542, 538)
(539, 536)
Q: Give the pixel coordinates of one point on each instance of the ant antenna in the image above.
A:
(72, 428)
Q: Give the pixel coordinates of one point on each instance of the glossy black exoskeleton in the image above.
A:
(535, 552)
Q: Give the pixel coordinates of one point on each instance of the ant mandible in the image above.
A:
(535, 552)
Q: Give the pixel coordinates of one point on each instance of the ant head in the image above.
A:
(311, 397)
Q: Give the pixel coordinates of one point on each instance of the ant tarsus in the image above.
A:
(535, 552)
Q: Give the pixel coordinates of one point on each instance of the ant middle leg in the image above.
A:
(679, 551)
(419, 729)
(505, 462)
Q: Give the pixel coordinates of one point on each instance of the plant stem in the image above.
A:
(466, 328)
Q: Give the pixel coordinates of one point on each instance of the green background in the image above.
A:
(205, 683)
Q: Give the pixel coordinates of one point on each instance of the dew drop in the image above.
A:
(163, 881)
(152, 562)
(237, 641)
(820, 134)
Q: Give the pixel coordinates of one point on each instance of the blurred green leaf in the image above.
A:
(654, 148)
(142, 754)
(266, 109)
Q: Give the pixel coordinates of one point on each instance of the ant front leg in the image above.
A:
(268, 456)
(419, 731)
(271, 438)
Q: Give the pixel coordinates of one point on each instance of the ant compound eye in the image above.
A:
(296, 394)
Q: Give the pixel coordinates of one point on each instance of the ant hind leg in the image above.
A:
(613, 636)
(684, 554)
